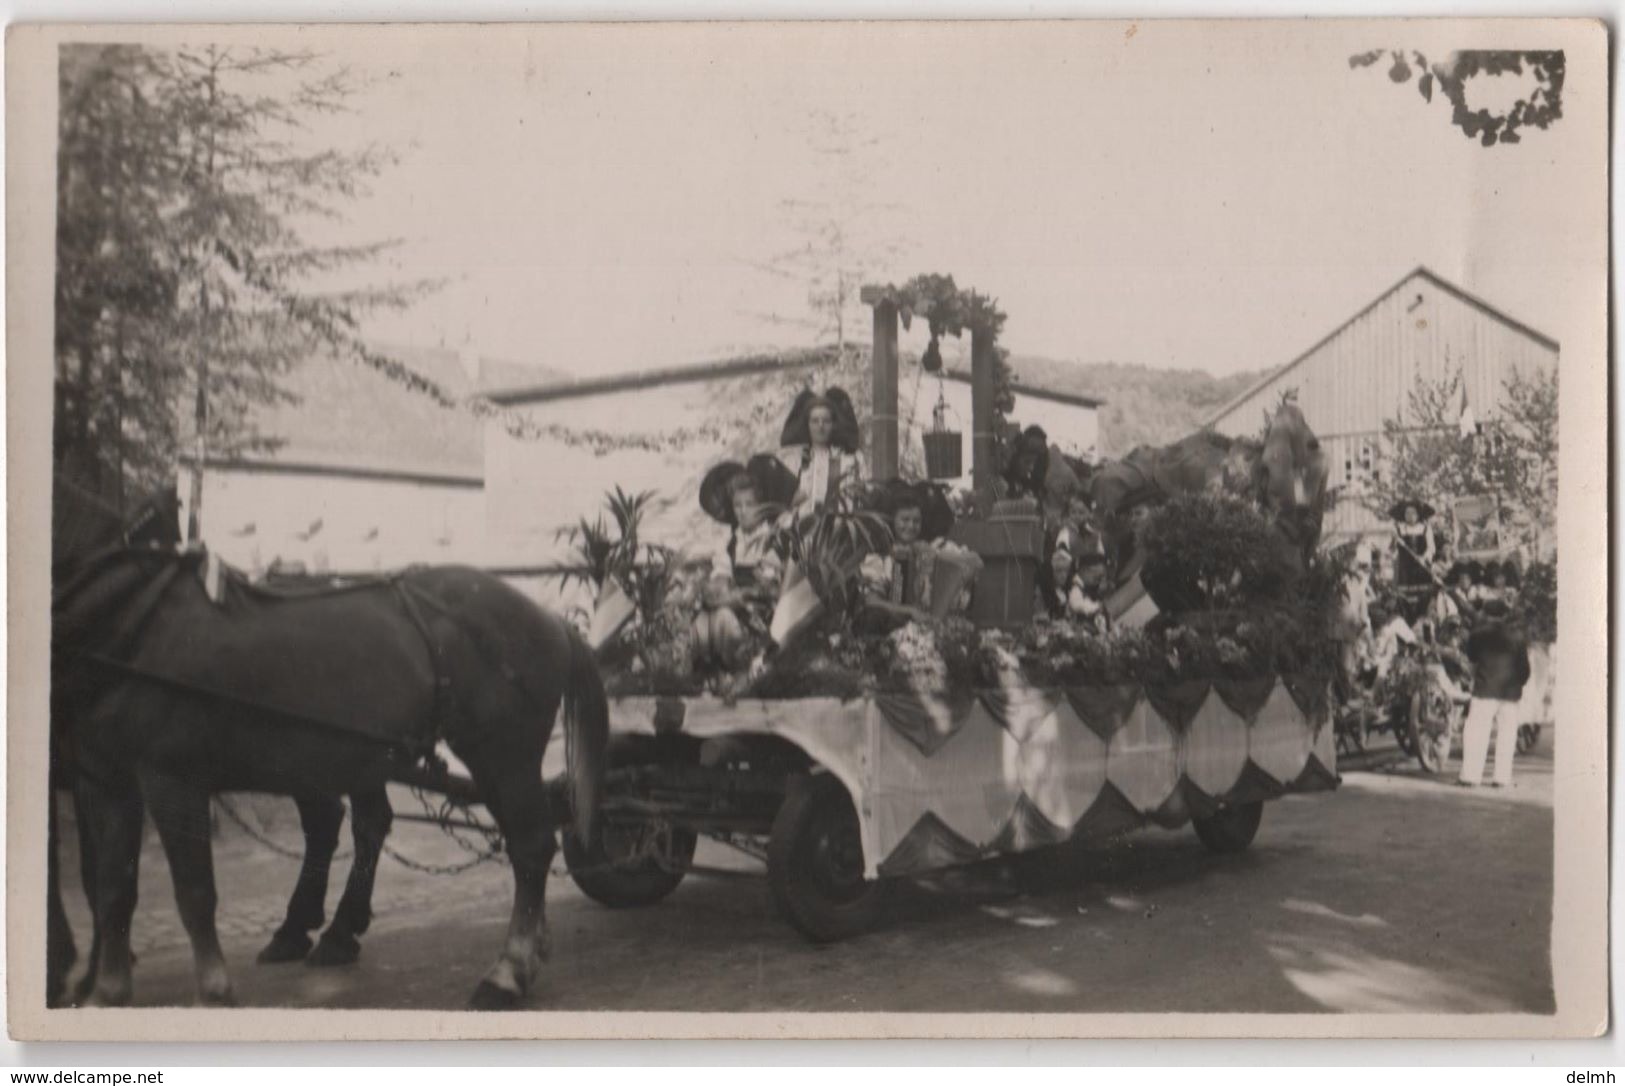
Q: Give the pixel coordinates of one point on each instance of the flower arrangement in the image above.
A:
(1253, 616)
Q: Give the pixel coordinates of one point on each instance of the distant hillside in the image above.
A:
(1143, 405)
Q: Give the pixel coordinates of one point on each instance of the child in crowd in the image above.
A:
(1072, 587)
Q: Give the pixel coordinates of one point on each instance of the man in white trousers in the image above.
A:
(1500, 657)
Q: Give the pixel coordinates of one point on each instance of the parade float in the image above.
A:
(846, 757)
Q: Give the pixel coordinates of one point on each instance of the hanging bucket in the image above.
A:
(944, 448)
(944, 454)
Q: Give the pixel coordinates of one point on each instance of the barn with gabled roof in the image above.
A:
(1362, 373)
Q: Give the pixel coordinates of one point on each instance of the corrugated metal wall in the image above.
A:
(1365, 373)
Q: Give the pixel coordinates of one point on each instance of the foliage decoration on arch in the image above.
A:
(949, 310)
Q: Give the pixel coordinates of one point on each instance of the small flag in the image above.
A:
(213, 576)
(1467, 422)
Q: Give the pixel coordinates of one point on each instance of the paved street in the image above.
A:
(1399, 892)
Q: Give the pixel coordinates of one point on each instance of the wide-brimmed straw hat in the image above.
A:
(936, 515)
(775, 484)
(1424, 511)
(843, 436)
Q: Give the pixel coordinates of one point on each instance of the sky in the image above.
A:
(1217, 197)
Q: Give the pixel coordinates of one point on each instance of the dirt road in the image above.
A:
(1396, 893)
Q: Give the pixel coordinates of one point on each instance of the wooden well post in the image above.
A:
(883, 435)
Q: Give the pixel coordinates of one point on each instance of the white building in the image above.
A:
(1364, 371)
(365, 475)
(369, 476)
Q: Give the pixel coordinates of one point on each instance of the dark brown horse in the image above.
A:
(1285, 474)
(171, 696)
(85, 522)
(85, 519)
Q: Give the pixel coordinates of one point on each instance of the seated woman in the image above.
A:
(903, 586)
(737, 601)
(819, 444)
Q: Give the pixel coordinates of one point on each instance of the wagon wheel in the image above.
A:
(1400, 724)
(1432, 727)
(1231, 829)
(1528, 736)
(630, 864)
(632, 860)
(815, 863)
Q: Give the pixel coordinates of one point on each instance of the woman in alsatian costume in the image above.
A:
(819, 444)
(1415, 550)
(901, 586)
(745, 571)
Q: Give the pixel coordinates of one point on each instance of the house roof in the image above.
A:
(348, 416)
(1040, 377)
(1420, 271)
(555, 389)
(1043, 378)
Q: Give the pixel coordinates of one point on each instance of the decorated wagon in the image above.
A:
(873, 758)
(842, 798)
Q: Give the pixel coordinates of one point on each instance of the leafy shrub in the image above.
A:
(1210, 551)
(1537, 597)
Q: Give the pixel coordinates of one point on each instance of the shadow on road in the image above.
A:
(1393, 895)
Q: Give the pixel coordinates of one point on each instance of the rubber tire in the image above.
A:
(1431, 751)
(814, 808)
(1231, 829)
(631, 887)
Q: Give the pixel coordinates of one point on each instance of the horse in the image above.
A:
(1285, 473)
(171, 696)
(85, 522)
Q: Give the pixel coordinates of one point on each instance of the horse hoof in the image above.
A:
(488, 997)
(227, 998)
(285, 947)
(104, 998)
(334, 950)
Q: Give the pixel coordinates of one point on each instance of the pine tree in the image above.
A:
(187, 184)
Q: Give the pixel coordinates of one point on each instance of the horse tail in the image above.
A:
(586, 736)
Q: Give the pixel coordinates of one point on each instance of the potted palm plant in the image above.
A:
(611, 565)
(824, 553)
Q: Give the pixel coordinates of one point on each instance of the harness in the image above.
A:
(411, 599)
